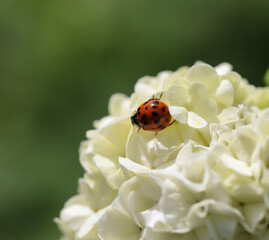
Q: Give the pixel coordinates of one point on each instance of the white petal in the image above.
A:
(155, 219)
(178, 94)
(200, 103)
(201, 233)
(254, 213)
(203, 73)
(119, 105)
(228, 115)
(225, 218)
(225, 93)
(75, 211)
(105, 143)
(243, 143)
(119, 128)
(89, 227)
(237, 166)
(198, 160)
(75, 215)
(247, 193)
(223, 68)
(212, 231)
(114, 225)
(265, 150)
(138, 194)
(225, 225)
(106, 166)
(197, 91)
(137, 147)
(266, 200)
(265, 180)
(129, 167)
(180, 114)
(115, 180)
(175, 203)
(147, 86)
(196, 121)
(96, 191)
(149, 234)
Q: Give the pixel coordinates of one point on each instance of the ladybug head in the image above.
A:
(134, 120)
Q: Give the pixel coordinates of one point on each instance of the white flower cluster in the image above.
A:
(205, 177)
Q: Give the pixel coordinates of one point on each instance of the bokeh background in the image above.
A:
(61, 60)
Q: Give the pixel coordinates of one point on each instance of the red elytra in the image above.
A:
(153, 115)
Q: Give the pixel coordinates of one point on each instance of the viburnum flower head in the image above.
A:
(204, 177)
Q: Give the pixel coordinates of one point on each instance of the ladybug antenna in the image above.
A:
(155, 98)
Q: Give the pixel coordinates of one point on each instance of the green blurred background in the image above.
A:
(61, 60)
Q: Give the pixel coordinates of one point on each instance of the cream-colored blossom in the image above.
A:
(204, 177)
(189, 104)
(78, 221)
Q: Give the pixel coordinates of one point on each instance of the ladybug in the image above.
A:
(153, 115)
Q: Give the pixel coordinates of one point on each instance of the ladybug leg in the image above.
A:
(138, 129)
(171, 123)
(156, 134)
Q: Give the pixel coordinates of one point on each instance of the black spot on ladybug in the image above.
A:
(163, 109)
(167, 119)
(155, 107)
(152, 128)
(154, 114)
(160, 126)
(157, 121)
(138, 111)
(146, 123)
(144, 116)
(156, 102)
(146, 108)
